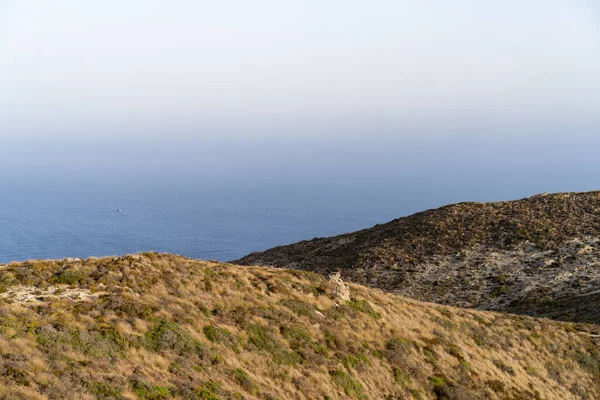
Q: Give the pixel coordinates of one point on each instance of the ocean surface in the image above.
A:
(63, 202)
(218, 220)
(57, 217)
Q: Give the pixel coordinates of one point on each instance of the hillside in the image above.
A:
(165, 327)
(538, 256)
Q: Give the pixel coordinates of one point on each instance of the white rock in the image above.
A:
(340, 290)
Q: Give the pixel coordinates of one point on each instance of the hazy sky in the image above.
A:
(194, 68)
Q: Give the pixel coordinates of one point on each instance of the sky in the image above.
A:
(298, 69)
(314, 90)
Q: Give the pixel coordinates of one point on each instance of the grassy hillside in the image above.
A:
(539, 256)
(161, 326)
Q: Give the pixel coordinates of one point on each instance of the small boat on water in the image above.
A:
(118, 210)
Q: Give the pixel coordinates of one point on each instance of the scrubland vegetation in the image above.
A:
(158, 326)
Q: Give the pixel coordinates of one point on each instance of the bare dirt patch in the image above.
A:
(23, 294)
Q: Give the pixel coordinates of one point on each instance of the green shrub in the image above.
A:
(400, 376)
(221, 335)
(530, 370)
(363, 306)
(501, 365)
(300, 307)
(295, 333)
(396, 351)
(127, 307)
(437, 381)
(444, 311)
(208, 391)
(145, 391)
(588, 362)
(95, 344)
(16, 375)
(430, 355)
(103, 391)
(350, 361)
(465, 365)
(351, 386)
(442, 388)
(455, 351)
(496, 385)
(110, 333)
(260, 337)
(244, 380)
(68, 277)
(168, 335)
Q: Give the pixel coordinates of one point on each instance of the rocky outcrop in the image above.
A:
(339, 289)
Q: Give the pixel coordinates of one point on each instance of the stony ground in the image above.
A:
(562, 284)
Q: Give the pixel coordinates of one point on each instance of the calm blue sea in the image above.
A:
(222, 220)
(52, 210)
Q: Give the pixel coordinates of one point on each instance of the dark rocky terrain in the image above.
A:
(538, 256)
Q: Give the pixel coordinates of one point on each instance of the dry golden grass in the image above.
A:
(167, 327)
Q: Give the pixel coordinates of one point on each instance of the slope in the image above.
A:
(158, 326)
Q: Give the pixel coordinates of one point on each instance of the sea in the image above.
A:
(221, 219)
(51, 211)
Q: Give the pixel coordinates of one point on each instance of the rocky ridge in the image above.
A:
(538, 256)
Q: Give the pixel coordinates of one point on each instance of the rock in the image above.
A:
(339, 289)
(25, 294)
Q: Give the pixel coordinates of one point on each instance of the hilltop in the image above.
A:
(538, 256)
(159, 326)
